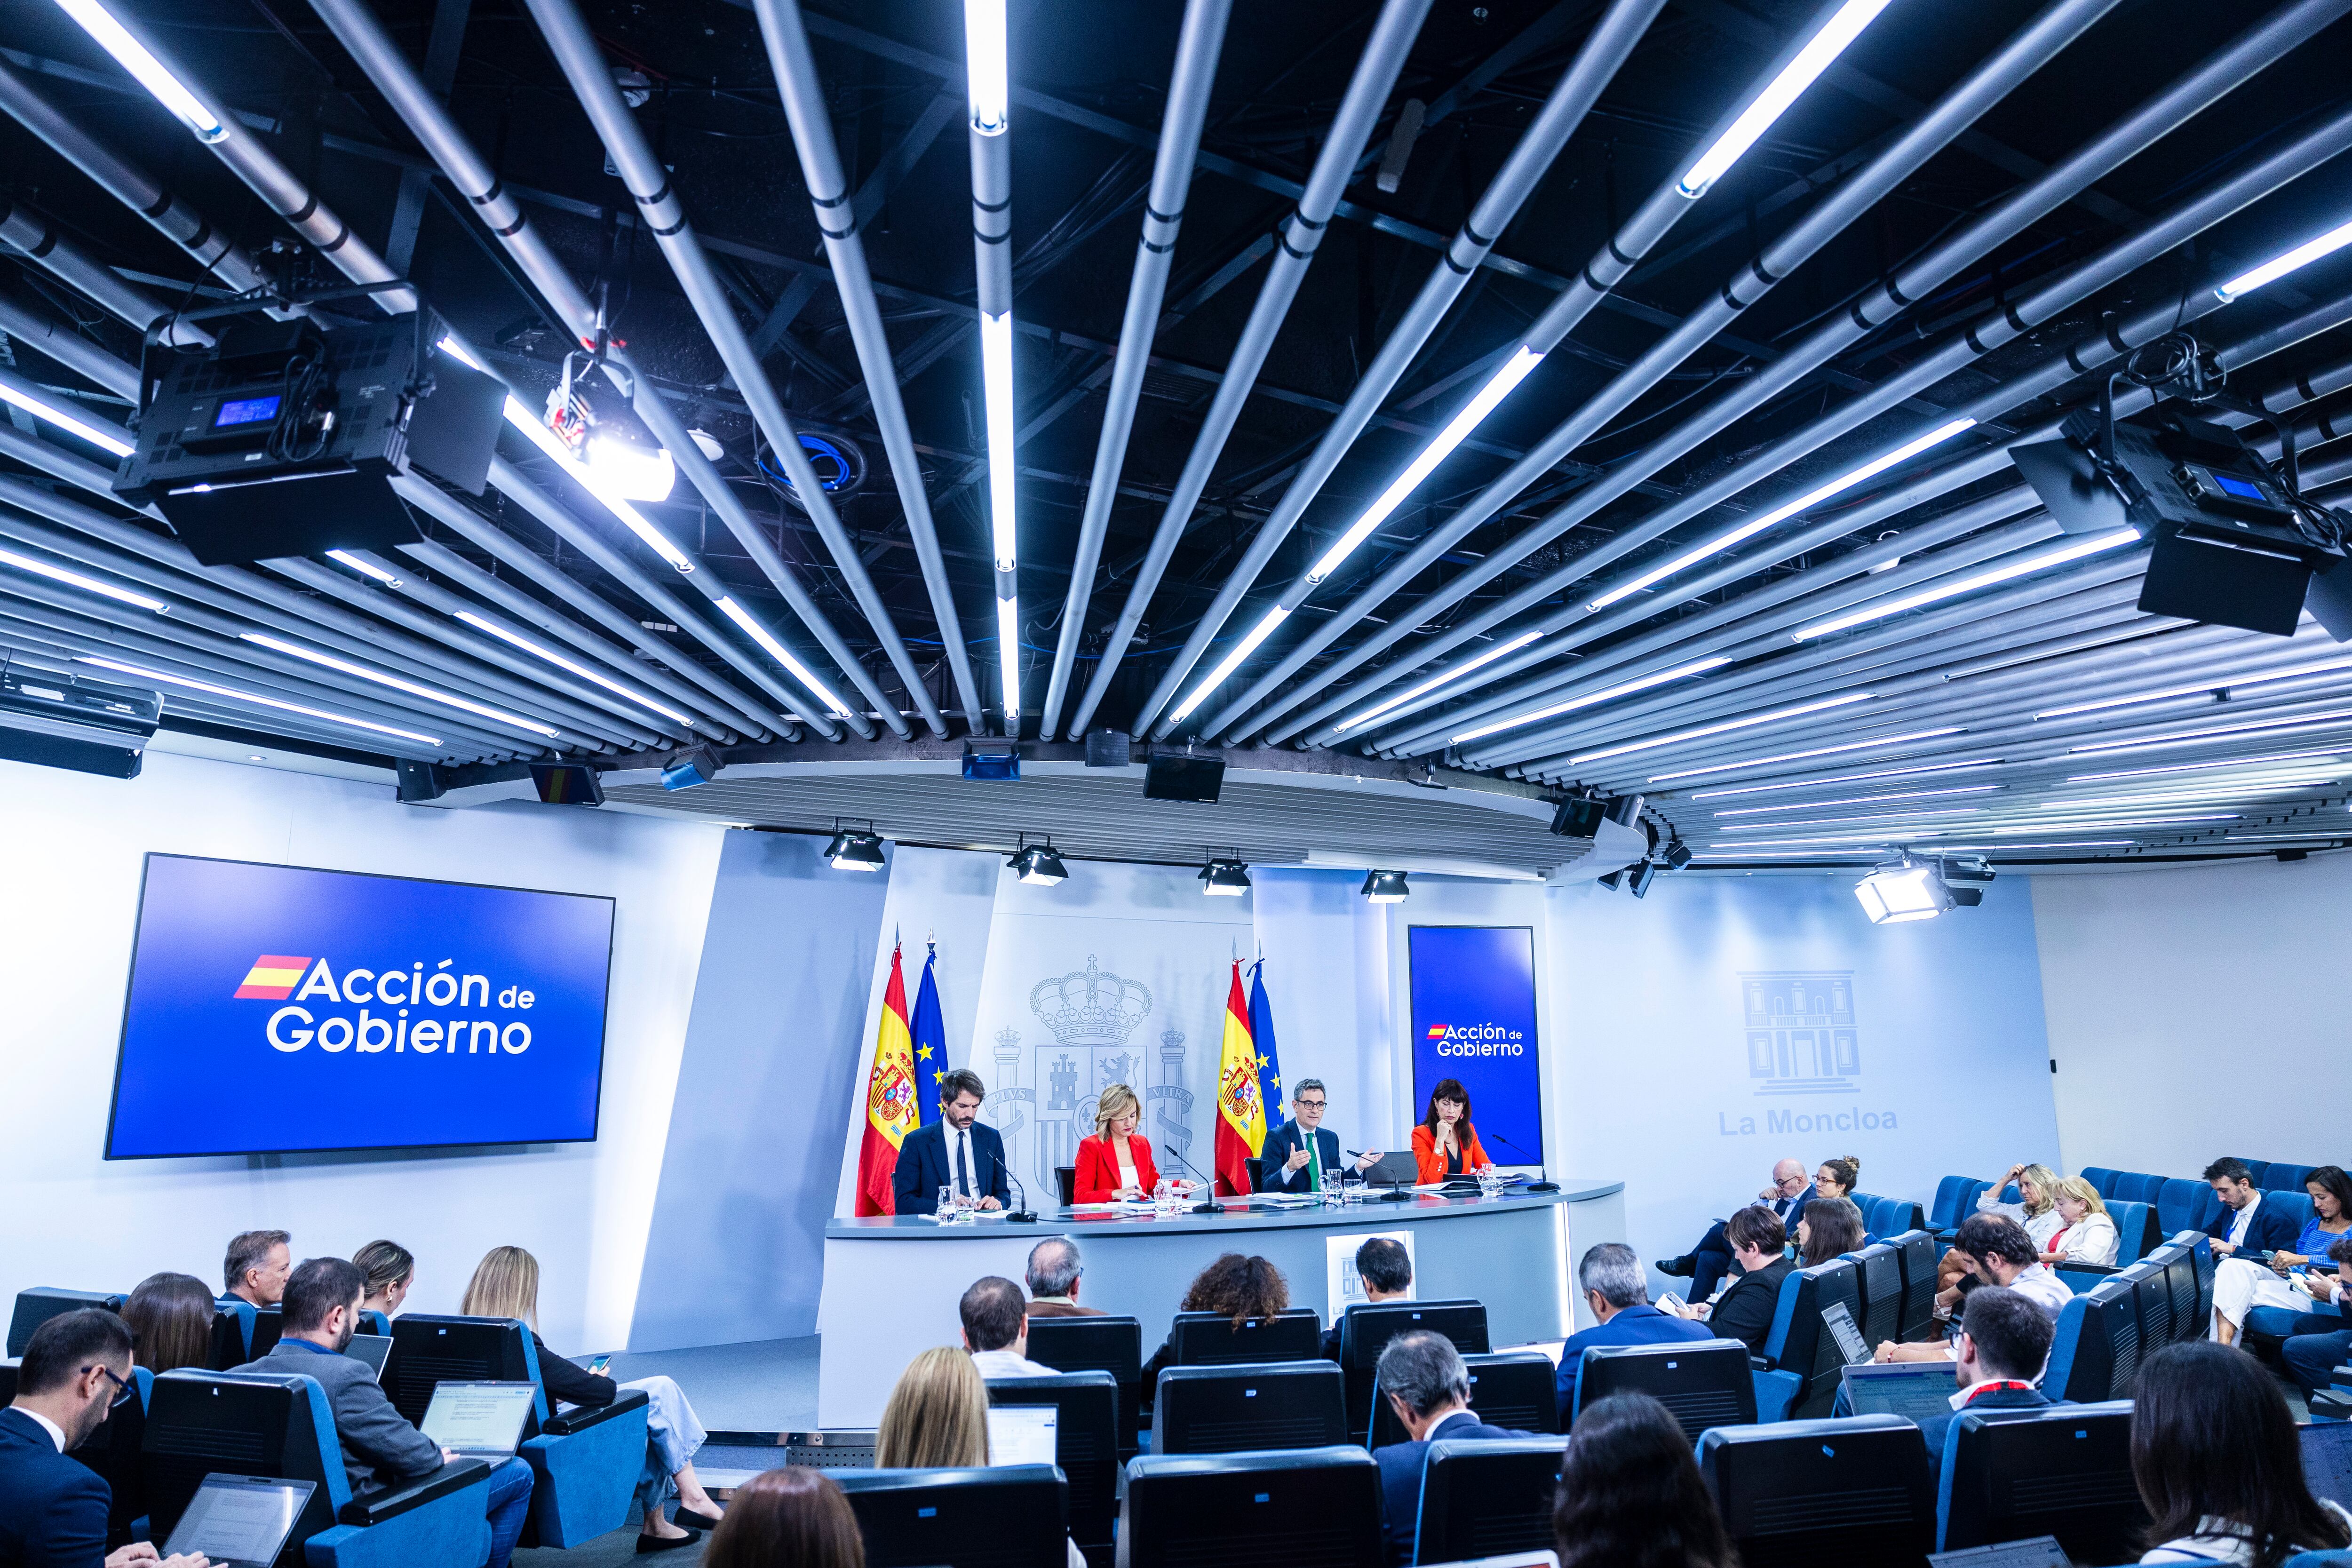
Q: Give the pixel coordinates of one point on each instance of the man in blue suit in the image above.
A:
(2004, 1339)
(53, 1509)
(1425, 1381)
(1619, 1294)
(1297, 1153)
(1705, 1264)
(2246, 1224)
(957, 1151)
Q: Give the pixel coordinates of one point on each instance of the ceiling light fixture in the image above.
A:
(852, 849)
(237, 695)
(2333, 753)
(631, 471)
(1232, 662)
(1224, 878)
(136, 57)
(2294, 672)
(1747, 762)
(571, 666)
(780, 653)
(1385, 887)
(2285, 726)
(1039, 865)
(1857, 800)
(987, 70)
(1452, 673)
(1902, 890)
(414, 688)
(1625, 688)
(366, 568)
(1749, 723)
(58, 412)
(1782, 513)
(1782, 90)
(2278, 266)
(1847, 778)
(1952, 588)
(76, 580)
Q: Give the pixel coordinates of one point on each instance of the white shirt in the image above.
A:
(2245, 1217)
(2040, 1228)
(1126, 1152)
(57, 1433)
(2041, 1285)
(1007, 1364)
(2219, 1540)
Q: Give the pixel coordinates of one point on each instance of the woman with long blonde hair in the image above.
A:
(506, 1285)
(938, 1419)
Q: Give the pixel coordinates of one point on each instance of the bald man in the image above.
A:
(1704, 1264)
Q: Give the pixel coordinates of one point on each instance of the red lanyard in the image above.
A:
(1990, 1387)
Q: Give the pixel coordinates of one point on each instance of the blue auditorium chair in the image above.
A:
(2011, 1475)
(1086, 1444)
(278, 1424)
(1213, 1338)
(2266, 1328)
(39, 1304)
(1518, 1389)
(1702, 1383)
(2151, 1304)
(2136, 1230)
(1484, 1498)
(2255, 1169)
(1366, 1329)
(1300, 1505)
(1915, 1251)
(2285, 1178)
(1879, 1270)
(2185, 1204)
(2317, 1560)
(1956, 1199)
(2139, 1187)
(233, 1318)
(1799, 1345)
(1883, 1218)
(2096, 1350)
(1269, 1405)
(2179, 1268)
(1006, 1514)
(1854, 1491)
(2296, 1203)
(1113, 1344)
(586, 1462)
(2102, 1180)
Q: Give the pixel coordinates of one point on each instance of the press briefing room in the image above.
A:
(1051, 783)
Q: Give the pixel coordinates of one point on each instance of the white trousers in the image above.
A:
(2239, 1285)
(672, 1435)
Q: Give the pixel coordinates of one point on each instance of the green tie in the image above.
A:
(1314, 1163)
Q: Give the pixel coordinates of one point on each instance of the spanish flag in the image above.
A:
(891, 1098)
(1241, 1109)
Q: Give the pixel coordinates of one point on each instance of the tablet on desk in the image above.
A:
(240, 1521)
(371, 1349)
(478, 1420)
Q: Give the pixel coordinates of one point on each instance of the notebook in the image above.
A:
(371, 1349)
(2041, 1551)
(240, 1521)
(2328, 1460)
(1022, 1434)
(478, 1420)
(1913, 1390)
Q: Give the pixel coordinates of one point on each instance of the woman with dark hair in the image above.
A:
(1745, 1309)
(1629, 1493)
(1829, 1228)
(2215, 1456)
(789, 1518)
(1240, 1287)
(170, 1321)
(2242, 1284)
(1836, 1177)
(1445, 1145)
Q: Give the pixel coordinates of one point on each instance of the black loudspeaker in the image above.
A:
(419, 782)
(76, 756)
(567, 783)
(1179, 777)
(1580, 818)
(1107, 748)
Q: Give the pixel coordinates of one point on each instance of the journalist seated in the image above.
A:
(1998, 1355)
(1618, 1292)
(1423, 1377)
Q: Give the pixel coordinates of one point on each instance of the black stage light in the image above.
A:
(698, 765)
(1107, 748)
(419, 782)
(1172, 775)
(1611, 880)
(1581, 817)
(853, 849)
(1224, 878)
(1001, 765)
(1038, 864)
(1639, 876)
(1385, 887)
(1966, 878)
(1678, 856)
(567, 783)
(67, 721)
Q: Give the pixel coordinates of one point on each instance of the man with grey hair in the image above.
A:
(1054, 1267)
(256, 1267)
(1705, 1264)
(1618, 1294)
(1296, 1154)
(1424, 1380)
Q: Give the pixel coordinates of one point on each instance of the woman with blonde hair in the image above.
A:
(506, 1285)
(1116, 1161)
(2087, 1232)
(2037, 1188)
(938, 1419)
(391, 1269)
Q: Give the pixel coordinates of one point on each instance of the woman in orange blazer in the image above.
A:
(1115, 1162)
(1445, 1145)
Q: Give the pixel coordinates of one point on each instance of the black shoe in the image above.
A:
(687, 1518)
(660, 1543)
(1681, 1267)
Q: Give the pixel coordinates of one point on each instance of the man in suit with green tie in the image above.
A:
(1296, 1154)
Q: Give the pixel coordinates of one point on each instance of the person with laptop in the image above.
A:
(1427, 1384)
(53, 1508)
(379, 1446)
(2218, 1464)
(1297, 1154)
(1618, 1292)
(2003, 1340)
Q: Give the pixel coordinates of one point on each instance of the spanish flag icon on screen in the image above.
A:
(1436, 1031)
(272, 978)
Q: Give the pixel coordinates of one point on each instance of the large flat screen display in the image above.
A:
(1474, 1020)
(277, 1009)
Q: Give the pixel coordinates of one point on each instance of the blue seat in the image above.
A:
(2184, 1204)
(2138, 1187)
(2255, 1169)
(2009, 1475)
(2297, 1204)
(2096, 1350)
(2265, 1327)
(1085, 1443)
(233, 1318)
(1482, 1499)
(2317, 1559)
(1883, 1218)
(1799, 1345)
(1703, 1382)
(2135, 1229)
(585, 1463)
(1956, 1198)
(2284, 1178)
(2152, 1304)
(2103, 1180)
(268, 1424)
(1249, 1408)
(1519, 1389)
(1851, 1492)
(1915, 1251)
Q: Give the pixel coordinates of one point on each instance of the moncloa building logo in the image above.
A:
(1477, 1040)
(304, 983)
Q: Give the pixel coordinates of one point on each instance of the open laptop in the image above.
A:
(1393, 1170)
(371, 1349)
(1022, 1434)
(2328, 1460)
(478, 1420)
(240, 1521)
(1839, 1321)
(1913, 1390)
(2041, 1551)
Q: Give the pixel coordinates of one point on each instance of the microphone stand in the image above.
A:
(1395, 1194)
(1024, 1215)
(1207, 1204)
(1542, 1184)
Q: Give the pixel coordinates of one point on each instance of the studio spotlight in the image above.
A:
(1966, 877)
(1903, 890)
(1580, 818)
(1224, 878)
(1038, 864)
(1678, 856)
(689, 768)
(1385, 887)
(853, 851)
(1639, 876)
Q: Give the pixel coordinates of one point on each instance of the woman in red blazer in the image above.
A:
(1445, 1145)
(1101, 1178)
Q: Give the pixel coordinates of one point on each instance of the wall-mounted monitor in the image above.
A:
(278, 1008)
(1474, 1020)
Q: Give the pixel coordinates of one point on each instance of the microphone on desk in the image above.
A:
(1542, 1184)
(1024, 1215)
(1206, 1206)
(1395, 1194)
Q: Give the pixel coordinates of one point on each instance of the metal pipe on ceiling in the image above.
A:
(583, 64)
(1368, 88)
(988, 134)
(78, 354)
(37, 239)
(1197, 45)
(2025, 52)
(2245, 57)
(1596, 64)
(794, 65)
(428, 119)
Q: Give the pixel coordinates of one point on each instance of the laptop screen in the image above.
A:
(1839, 1321)
(371, 1349)
(1022, 1434)
(1914, 1391)
(2328, 1460)
(2041, 1551)
(477, 1417)
(239, 1521)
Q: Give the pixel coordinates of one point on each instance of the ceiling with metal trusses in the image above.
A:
(1602, 396)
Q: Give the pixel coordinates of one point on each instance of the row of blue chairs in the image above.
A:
(2139, 1223)
(2185, 1204)
(2106, 1331)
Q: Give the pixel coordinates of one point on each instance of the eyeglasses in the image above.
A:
(1308, 1104)
(122, 1385)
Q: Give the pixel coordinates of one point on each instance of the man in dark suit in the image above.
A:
(2246, 1224)
(1422, 1376)
(1745, 1311)
(2004, 1339)
(52, 1508)
(1619, 1294)
(1704, 1264)
(1296, 1154)
(958, 1151)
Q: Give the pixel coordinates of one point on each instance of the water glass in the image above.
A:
(945, 1211)
(1331, 1188)
(1490, 1181)
(1163, 1196)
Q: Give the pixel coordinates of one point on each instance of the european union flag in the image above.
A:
(930, 1040)
(1269, 1070)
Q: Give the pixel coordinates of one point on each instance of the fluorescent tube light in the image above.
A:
(413, 688)
(1816, 752)
(1232, 662)
(1784, 90)
(1748, 723)
(781, 654)
(1457, 430)
(2219, 732)
(572, 667)
(1846, 778)
(1814, 496)
(2278, 266)
(2333, 753)
(365, 568)
(987, 75)
(996, 387)
(134, 56)
(1641, 683)
(237, 695)
(1953, 587)
(2292, 672)
(630, 471)
(1858, 800)
(1008, 658)
(1455, 672)
(76, 580)
(56, 410)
